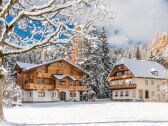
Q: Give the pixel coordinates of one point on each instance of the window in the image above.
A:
(73, 94)
(125, 72)
(121, 93)
(118, 74)
(152, 82)
(72, 83)
(26, 82)
(72, 72)
(41, 94)
(42, 81)
(59, 72)
(62, 83)
(116, 94)
(127, 93)
(30, 93)
(158, 87)
(54, 94)
(119, 67)
(123, 82)
(140, 91)
(152, 93)
(146, 82)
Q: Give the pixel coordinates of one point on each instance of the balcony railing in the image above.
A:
(125, 86)
(77, 88)
(44, 75)
(120, 77)
(38, 86)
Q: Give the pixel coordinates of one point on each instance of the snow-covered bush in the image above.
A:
(12, 94)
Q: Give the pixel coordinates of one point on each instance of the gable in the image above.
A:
(118, 71)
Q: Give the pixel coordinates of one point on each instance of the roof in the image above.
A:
(59, 77)
(24, 65)
(50, 62)
(143, 68)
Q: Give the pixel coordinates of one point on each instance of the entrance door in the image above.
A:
(62, 96)
(146, 94)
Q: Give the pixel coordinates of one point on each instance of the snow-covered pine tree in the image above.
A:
(104, 53)
(138, 54)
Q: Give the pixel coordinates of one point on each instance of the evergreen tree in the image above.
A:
(138, 54)
(105, 51)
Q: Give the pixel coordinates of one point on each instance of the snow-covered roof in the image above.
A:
(59, 77)
(142, 68)
(50, 62)
(24, 65)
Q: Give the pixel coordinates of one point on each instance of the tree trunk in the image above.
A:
(1, 79)
(1, 103)
(1, 91)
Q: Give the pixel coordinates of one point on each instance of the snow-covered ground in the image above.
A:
(88, 114)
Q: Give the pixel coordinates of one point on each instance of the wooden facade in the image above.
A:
(120, 72)
(56, 75)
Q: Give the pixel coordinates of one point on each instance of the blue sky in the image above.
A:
(136, 21)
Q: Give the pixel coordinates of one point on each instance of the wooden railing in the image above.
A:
(120, 77)
(38, 86)
(44, 75)
(77, 88)
(125, 86)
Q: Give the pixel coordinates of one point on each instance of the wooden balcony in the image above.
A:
(120, 77)
(125, 86)
(77, 88)
(38, 86)
(44, 75)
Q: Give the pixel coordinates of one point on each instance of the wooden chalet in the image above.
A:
(51, 81)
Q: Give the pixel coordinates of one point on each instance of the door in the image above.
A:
(146, 94)
(62, 96)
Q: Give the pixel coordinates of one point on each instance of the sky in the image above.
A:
(136, 21)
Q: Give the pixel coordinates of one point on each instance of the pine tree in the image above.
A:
(138, 54)
(105, 51)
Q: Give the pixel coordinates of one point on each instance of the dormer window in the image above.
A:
(154, 72)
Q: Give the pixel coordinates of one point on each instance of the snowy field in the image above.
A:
(88, 114)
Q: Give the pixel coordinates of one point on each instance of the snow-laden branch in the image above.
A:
(45, 41)
(7, 7)
(50, 14)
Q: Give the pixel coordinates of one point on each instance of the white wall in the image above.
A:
(26, 96)
(48, 96)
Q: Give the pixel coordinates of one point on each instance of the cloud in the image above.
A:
(136, 20)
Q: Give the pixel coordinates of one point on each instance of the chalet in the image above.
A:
(133, 79)
(50, 81)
